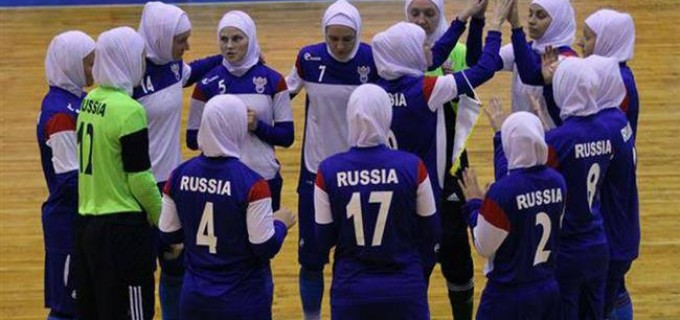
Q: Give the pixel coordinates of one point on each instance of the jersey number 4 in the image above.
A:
(384, 198)
(205, 235)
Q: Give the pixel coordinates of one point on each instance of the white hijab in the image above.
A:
(224, 126)
(369, 115)
(575, 86)
(343, 13)
(160, 24)
(523, 140)
(118, 61)
(612, 90)
(615, 34)
(398, 51)
(442, 25)
(64, 61)
(562, 28)
(242, 21)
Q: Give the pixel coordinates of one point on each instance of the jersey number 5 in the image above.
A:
(384, 198)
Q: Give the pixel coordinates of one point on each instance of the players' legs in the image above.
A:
(275, 186)
(570, 279)
(415, 309)
(122, 266)
(615, 280)
(531, 301)
(86, 259)
(596, 261)
(172, 273)
(454, 254)
(623, 308)
(311, 261)
(59, 286)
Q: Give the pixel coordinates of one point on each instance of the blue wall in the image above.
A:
(27, 3)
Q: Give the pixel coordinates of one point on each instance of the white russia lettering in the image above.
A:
(365, 177)
(203, 185)
(398, 99)
(537, 198)
(593, 149)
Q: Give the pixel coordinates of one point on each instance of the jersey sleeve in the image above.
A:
(425, 205)
(492, 227)
(294, 80)
(439, 90)
(281, 102)
(61, 138)
(196, 106)
(265, 234)
(326, 228)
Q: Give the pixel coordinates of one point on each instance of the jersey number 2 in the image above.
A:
(205, 235)
(542, 255)
(384, 198)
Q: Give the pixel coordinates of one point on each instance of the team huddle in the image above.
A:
(385, 182)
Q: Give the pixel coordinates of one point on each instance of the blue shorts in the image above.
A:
(309, 254)
(194, 305)
(415, 309)
(59, 283)
(534, 301)
(275, 186)
(582, 276)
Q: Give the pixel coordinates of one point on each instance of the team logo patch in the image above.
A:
(309, 57)
(363, 73)
(209, 80)
(259, 82)
(175, 70)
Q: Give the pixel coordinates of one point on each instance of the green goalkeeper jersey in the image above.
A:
(106, 183)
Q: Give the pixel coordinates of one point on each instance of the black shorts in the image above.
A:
(114, 267)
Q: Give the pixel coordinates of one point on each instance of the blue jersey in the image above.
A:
(376, 206)
(631, 104)
(215, 200)
(520, 216)
(328, 85)
(58, 117)
(619, 195)
(265, 92)
(581, 149)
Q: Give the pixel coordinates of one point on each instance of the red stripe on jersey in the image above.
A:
(259, 191)
(553, 159)
(494, 214)
(281, 86)
(198, 94)
(428, 87)
(625, 104)
(320, 182)
(166, 186)
(299, 69)
(422, 172)
(58, 123)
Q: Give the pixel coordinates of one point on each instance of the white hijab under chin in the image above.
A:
(615, 33)
(342, 13)
(369, 115)
(523, 140)
(160, 24)
(575, 86)
(64, 61)
(562, 29)
(398, 51)
(612, 90)
(242, 21)
(223, 127)
(442, 24)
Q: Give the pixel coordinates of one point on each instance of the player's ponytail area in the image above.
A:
(283, 28)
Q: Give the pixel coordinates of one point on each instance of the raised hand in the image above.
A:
(538, 110)
(513, 16)
(500, 14)
(469, 185)
(473, 8)
(252, 120)
(549, 62)
(286, 216)
(494, 111)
